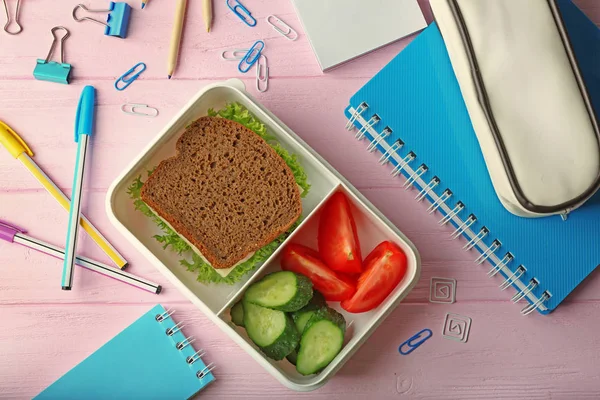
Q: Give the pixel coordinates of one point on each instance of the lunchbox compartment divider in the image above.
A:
(235, 296)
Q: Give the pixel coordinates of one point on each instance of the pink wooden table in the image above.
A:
(46, 331)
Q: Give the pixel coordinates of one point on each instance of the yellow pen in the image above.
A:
(19, 150)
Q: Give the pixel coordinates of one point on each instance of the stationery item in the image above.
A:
(128, 77)
(144, 3)
(176, 36)
(520, 120)
(84, 126)
(207, 13)
(234, 55)
(52, 71)
(251, 57)
(14, 234)
(457, 327)
(262, 66)
(242, 12)
(341, 30)
(442, 290)
(417, 97)
(19, 150)
(415, 341)
(117, 22)
(262, 77)
(281, 27)
(130, 108)
(15, 20)
(150, 359)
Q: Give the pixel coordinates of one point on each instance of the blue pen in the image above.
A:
(84, 126)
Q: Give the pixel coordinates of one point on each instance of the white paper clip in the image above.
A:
(281, 27)
(260, 76)
(234, 54)
(130, 108)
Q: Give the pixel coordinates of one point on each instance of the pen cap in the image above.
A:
(84, 120)
(8, 232)
(13, 143)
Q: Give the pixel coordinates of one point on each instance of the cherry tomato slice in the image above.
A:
(385, 267)
(306, 261)
(338, 241)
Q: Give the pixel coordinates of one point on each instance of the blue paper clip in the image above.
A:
(117, 22)
(242, 12)
(52, 71)
(251, 57)
(412, 345)
(128, 77)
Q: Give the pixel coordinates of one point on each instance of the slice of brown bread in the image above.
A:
(226, 191)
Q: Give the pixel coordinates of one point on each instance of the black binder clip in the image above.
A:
(117, 21)
(52, 71)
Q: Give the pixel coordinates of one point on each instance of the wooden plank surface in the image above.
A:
(45, 331)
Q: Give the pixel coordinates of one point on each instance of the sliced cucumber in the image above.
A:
(316, 302)
(283, 291)
(322, 340)
(293, 357)
(271, 330)
(237, 313)
(301, 318)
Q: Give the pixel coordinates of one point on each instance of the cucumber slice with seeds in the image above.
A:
(283, 291)
(301, 318)
(271, 330)
(237, 313)
(322, 340)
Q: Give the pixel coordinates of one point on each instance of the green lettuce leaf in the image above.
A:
(170, 240)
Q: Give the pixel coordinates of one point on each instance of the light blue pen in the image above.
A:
(84, 126)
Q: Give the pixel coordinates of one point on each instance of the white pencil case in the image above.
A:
(527, 101)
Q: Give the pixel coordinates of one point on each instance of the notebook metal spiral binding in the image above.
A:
(457, 209)
(187, 341)
(427, 189)
(361, 132)
(373, 145)
(439, 201)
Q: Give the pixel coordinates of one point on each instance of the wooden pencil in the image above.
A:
(208, 13)
(176, 36)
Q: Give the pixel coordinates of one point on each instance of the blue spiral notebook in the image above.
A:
(412, 111)
(150, 359)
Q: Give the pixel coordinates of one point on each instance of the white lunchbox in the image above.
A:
(215, 300)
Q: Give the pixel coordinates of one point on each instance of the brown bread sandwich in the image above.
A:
(227, 194)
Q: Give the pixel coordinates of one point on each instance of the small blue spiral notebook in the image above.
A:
(412, 111)
(150, 359)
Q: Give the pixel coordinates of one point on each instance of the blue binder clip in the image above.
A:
(242, 12)
(251, 57)
(52, 71)
(128, 77)
(117, 21)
